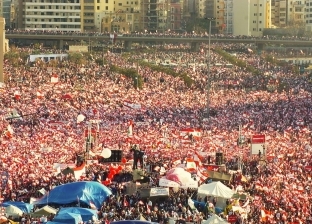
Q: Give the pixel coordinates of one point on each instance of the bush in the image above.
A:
(188, 81)
(235, 61)
(129, 73)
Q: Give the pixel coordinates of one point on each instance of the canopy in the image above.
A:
(87, 192)
(14, 211)
(25, 207)
(85, 213)
(46, 210)
(214, 219)
(71, 218)
(216, 189)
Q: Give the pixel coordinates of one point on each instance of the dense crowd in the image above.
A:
(44, 129)
(167, 33)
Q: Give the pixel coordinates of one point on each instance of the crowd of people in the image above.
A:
(39, 128)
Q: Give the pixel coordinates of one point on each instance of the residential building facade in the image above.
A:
(62, 15)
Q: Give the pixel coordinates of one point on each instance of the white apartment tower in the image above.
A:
(251, 17)
(62, 15)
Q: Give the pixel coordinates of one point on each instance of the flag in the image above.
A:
(79, 171)
(130, 129)
(148, 209)
(125, 202)
(190, 203)
(92, 205)
(201, 174)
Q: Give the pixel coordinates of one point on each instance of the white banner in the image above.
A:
(190, 184)
(139, 123)
(159, 192)
(133, 105)
(163, 182)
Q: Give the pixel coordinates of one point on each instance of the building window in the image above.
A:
(98, 7)
(98, 1)
(106, 1)
(106, 7)
(260, 21)
(120, 4)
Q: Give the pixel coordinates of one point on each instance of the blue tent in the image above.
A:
(25, 207)
(86, 214)
(132, 222)
(86, 192)
(71, 218)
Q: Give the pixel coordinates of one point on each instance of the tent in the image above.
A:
(46, 210)
(214, 219)
(216, 189)
(87, 192)
(13, 211)
(71, 218)
(85, 213)
(25, 207)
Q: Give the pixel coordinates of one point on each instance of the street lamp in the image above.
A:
(208, 68)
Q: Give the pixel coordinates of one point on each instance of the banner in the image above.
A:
(190, 184)
(163, 182)
(159, 192)
(258, 144)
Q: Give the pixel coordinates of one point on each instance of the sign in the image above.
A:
(258, 144)
(167, 183)
(132, 105)
(159, 192)
(232, 218)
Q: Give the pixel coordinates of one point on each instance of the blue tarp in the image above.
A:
(132, 222)
(71, 218)
(25, 207)
(85, 191)
(86, 214)
(51, 222)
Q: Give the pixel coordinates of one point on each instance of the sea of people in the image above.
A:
(39, 128)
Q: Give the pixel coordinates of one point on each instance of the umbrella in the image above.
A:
(46, 210)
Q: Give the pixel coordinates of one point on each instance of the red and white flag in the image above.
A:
(130, 129)
(79, 171)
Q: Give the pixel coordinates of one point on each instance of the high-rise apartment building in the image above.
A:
(308, 15)
(224, 16)
(63, 15)
(288, 12)
(5, 8)
(250, 17)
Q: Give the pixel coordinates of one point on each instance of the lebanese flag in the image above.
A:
(17, 95)
(125, 202)
(265, 215)
(148, 209)
(79, 171)
(202, 174)
(54, 79)
(190, 164)
(130, 129)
